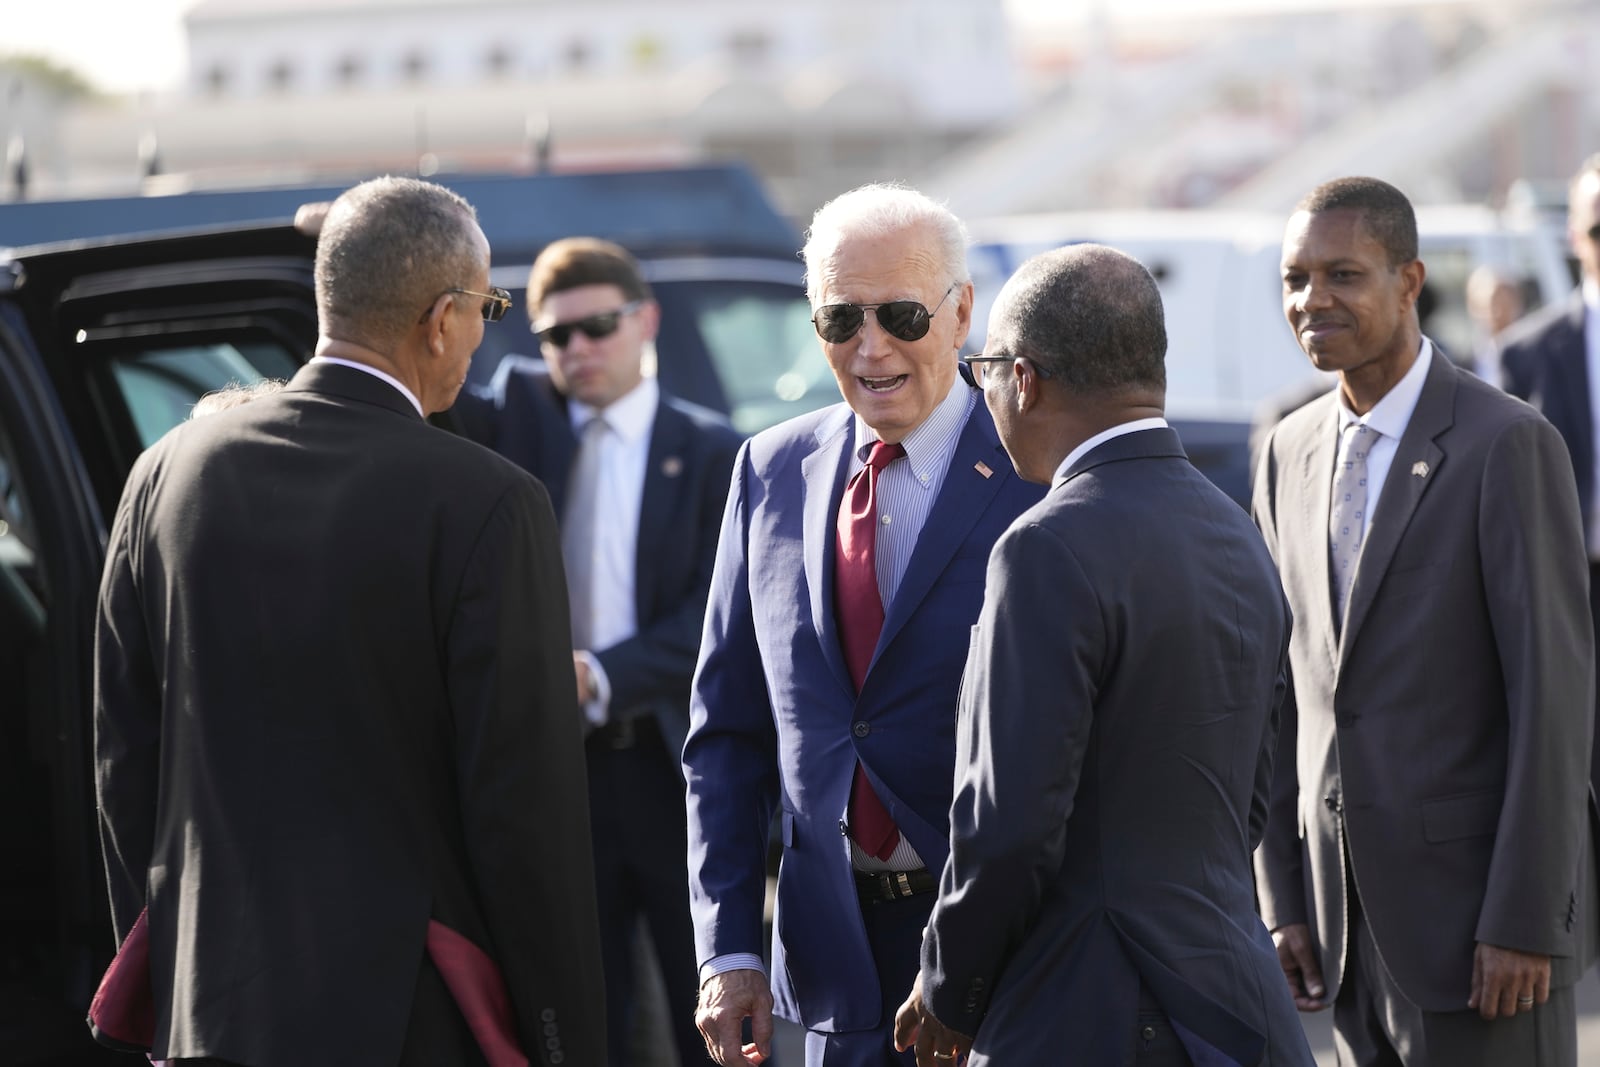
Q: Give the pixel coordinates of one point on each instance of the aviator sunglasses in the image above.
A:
(593, 327)
(907, 320)
(496, 302)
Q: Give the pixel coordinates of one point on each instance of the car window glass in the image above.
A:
(160, 385)
(766, 354)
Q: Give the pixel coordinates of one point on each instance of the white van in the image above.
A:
(1228, 346)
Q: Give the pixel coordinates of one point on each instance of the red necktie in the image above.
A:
(858, 607)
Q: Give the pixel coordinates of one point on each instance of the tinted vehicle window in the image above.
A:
(762, 348)
(159, 386)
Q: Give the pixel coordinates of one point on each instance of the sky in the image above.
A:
(125, 46)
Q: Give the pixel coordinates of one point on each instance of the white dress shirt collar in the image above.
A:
(376, 373)
(1156, 423)
(930, 446)
(631, 416)
(1391, 415)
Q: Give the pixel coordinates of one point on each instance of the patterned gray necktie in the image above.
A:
(580, 522)
(1347, 517)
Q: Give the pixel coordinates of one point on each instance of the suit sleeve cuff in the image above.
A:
(731, 961)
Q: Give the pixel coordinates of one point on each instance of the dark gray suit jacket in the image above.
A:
(1444, 738)
(334, 700)
(1118, 720)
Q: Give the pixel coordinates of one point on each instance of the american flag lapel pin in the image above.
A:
(1420, 468)
(983, 468)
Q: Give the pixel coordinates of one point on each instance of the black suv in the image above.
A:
(106, 343)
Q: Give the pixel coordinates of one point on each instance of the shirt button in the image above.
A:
(861, 729)
(884, 520)
(548, 1015)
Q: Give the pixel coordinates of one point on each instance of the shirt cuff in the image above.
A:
(732, 961)
(598, 710)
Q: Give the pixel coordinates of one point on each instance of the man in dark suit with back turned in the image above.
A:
(642, 504)
(849, 572)
(1119, 716)
(1428, 867)
(335, 736)
(1551, 359)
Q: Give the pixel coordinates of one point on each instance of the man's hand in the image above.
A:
(937, 1044)
(586, 691)
(1505, 981)
(1298, 958)
(726, 1000)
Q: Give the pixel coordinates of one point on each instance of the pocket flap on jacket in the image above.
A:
(1472, 815)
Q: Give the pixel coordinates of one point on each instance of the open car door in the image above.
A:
(104, 346)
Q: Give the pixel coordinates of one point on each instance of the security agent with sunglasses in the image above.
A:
(641, 478)
(335, 748)
(849, 573)
(1118, 720)
(1552, 360)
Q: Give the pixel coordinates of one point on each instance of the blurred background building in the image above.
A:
(1125, 104)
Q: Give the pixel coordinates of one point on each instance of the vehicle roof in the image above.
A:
(712, 208)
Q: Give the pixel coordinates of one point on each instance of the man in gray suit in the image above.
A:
(1428, 868)
(1118, 720)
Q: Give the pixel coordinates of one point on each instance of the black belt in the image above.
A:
(875, 887)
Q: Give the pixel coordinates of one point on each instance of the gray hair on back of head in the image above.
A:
(388, 248)
(882, 209)
(1090, 315)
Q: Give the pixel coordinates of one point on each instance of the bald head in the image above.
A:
(1089, 316)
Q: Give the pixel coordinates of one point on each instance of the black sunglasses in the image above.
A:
(593, 327)
(906, 319)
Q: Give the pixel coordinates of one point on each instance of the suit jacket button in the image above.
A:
(844, 828)
(1148, 1033)
(1331, 801)
(861, 729)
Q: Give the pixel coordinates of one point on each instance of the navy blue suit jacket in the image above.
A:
(1118, 721)
(1544, 361)
(522, 416)
(776, 723)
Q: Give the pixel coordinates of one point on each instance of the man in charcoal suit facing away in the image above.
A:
(335, 736)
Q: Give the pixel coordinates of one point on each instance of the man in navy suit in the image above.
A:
(849, 573)
(1119, 716)
(640, 478)
(1552, 360)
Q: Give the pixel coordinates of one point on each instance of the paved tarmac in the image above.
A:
(1319, 1031)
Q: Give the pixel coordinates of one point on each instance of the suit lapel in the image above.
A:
(658, 503)
(963, 498)
(1573, 388)
(1415, 468)
(823, 473)
(563, 448)
(1316, 474)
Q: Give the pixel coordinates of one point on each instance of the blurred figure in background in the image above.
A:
(1494, 302)
(1551, 359)
(642, 478)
